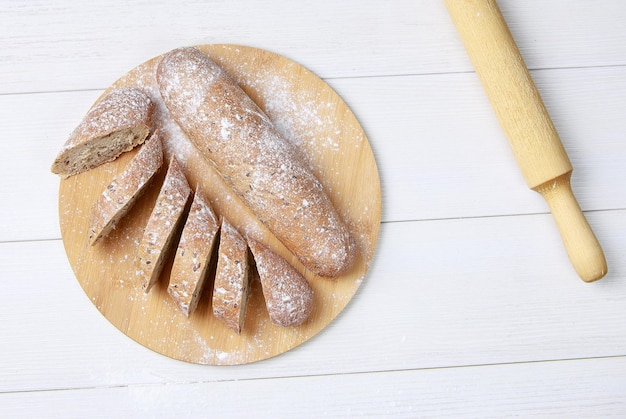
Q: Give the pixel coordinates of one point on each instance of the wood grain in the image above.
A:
(334, 145)
(525, 120)
(419, 184)
(504, 309)
(400, 37)
(490, 390)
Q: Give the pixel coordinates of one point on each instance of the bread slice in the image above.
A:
(162, 225)
(230, 290)
(193, 254)
(288, 295)
(118, 123)
(122, 193)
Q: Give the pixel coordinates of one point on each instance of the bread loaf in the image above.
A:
(156, 243)
(288, 295)
(118, 123)
(230, 290)
(261, 166)
(193, 254)
(121, 194)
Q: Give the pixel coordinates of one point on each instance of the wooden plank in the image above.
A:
(439, 294)
(577, 388)
(51, 46)
(442, 154)
(439, 149)
(36, 126)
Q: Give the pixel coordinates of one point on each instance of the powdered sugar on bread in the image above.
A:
(288, 295)
(230, 290)
(120, 195)
(117, 123)
(193, 255)
(162, 225)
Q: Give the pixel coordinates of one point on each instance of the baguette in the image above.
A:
(230, 291)
(288, 295)
(162, 225)
(193, 255)
(122, 193)
(118, 123)
(261, 166)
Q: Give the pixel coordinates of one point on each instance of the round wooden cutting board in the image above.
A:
(310, 114)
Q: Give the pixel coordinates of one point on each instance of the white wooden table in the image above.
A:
(471, 307)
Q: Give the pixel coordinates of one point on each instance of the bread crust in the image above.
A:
(262, 167)
(121, 194)
(117, 123)
(156, 243)
(288, 295)
(230, 290)
(193, 255)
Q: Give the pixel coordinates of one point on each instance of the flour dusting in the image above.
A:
(261, 166)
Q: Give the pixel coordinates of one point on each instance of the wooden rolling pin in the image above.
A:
(525, 121)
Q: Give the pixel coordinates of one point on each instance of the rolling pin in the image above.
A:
(523, 116)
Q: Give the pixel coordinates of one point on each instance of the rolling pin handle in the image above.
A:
(581, 244)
